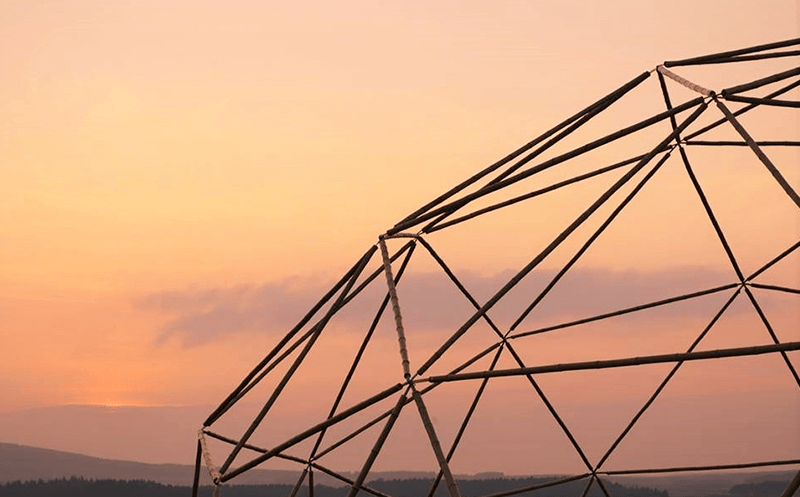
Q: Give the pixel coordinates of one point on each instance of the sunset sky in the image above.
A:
(180, 181)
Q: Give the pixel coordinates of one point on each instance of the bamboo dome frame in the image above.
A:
(447, 210)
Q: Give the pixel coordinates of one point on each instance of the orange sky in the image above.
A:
(155, 154)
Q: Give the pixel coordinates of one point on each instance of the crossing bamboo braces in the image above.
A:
(454, 208)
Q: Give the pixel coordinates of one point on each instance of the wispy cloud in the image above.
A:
(201, 316)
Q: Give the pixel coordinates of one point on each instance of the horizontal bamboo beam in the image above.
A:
(619, 363)
(687, 469)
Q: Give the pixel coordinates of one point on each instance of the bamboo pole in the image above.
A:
(775, 287)
(687, 469)
(772, 334)
(793, 486)
(560, 238)
(748, 58)
(756, 150)
(535, 193)
(312, 431)
(376, 448)
(685, 82)
(463, 427)
(212, 469)
(730, 143)
(552, 410)
(387, 413)
(226, 404)
(628, 310)
(310, 482)
(398, 317)
(713, 58)
(452, 206)
(296, 364)
(444, 467)
(774, 261)
(566, 267)
(763, 101)
(619, 363)
(299, 483)
(539, 486)
(711, 216)
(743, 110)
(616, 94)
(197, 463)
(344, 479)
(760, 82)
(361, 350)
(666, 380)
(588, 486)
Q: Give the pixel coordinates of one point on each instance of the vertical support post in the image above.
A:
(398, 318)
(197, 461)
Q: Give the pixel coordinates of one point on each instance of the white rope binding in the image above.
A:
(398, 318)
(212, 470)
(685, 82)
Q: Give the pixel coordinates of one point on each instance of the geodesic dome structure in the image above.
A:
(710, 177)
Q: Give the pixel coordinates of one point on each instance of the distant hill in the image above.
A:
(24, 463)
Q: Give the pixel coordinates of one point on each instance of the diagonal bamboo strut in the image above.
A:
(299, 483)
(760, 82)
(759, 153)
(774, 261)
(685, 82)
(398, 317)
(444, 467)
(794, 485)
(306, 464)
(666, 380)
(591, 240)
(628, 310)
(687, 469)
(764, 101)
(360, 353)
(746, 58)
(616, 94)
(543, 148)
(456, 204)
(743, 110)
(559, 239)
(533, 194)
(463, 427)
(722, 143)
(376, 448)
(296, 364)
(347, 480)
(229, 401)
(775, 287)
(588, 486)
(772, 334)
(711, 216)
(385, 414)
(619, 363)
(714, 58)
(539, 486)
(312, 431)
